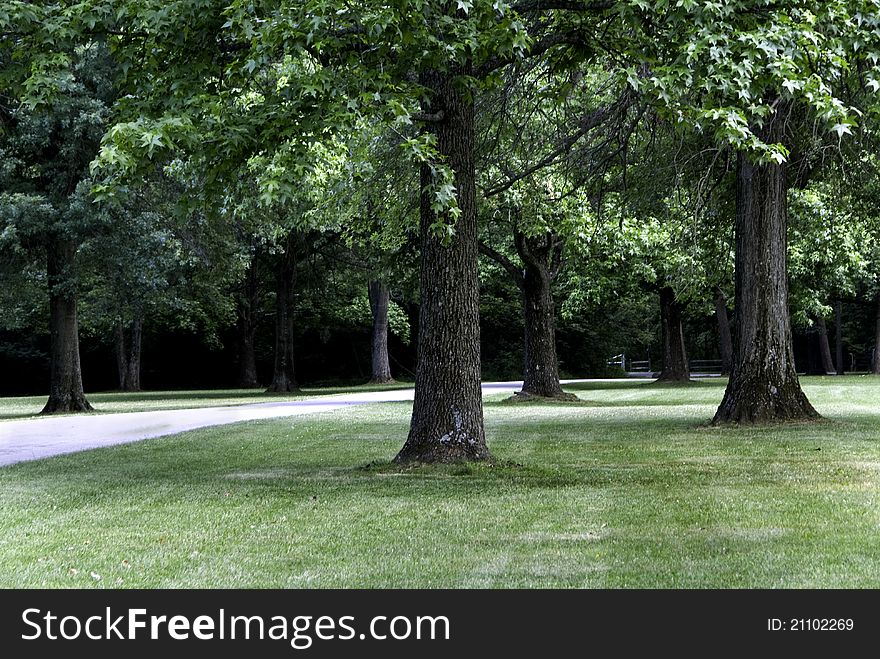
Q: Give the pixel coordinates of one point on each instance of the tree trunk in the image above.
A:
(764, 386)
(128, 354)
(540, 255)
(838, 335)
(824, 348)
(283, 376)
(876, 364)
(121, 357)
(246, 327)
(447, 418)
(675, 361)
(725, 341)
(65, 376)
(133, 376)
(379, 297)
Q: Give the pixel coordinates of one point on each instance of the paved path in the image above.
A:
(32, 439)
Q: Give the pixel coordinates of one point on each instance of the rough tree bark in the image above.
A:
(380, 366)
(447, 417)
(283, 374)
(65, 376)
(675, 361)
(764, 386)
(725, 340)
(246, 327)
(542, 259)
(128, 354)
(838, 335)
(824, 347)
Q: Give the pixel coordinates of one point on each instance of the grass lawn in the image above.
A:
(627, 489)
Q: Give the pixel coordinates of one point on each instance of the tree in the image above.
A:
(155, 263)
(764, 384)
(46, 204)
(541, 256)
(294, 247)
(380, 372)
(830, 249)
(247, 307)
(378, 197)
(546, 143)
(725, 338)
(755, 69)
(676, 367)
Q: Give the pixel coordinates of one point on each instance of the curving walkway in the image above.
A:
(33, 439)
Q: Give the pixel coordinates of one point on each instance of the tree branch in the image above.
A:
(590, 122)
(570, 38)
(542, 253)
(503, 261)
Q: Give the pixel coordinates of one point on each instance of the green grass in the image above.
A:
(22, 407)
(630, 489)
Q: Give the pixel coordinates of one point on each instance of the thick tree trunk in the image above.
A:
(838, 335)
(283, 375)
(675, 361)
(447, 418)
(725, 340)
(764, 386)
(540, 255)
(380, 367)
(246, 328)
(824, 348)
(876, 364)
(65, 377)
(128, 354)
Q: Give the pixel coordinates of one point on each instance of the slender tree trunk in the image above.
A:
(133, 375)
(876, 364)
(725, 340)
(283, 376)
(540, 255)
(246, 327)
(824, 348)
(380, 367)
(247, 360)
(65, 376)
(838, 335)
(128, 354)
(675, 361)
(764, 385)
(121, 356)
(447, 418)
